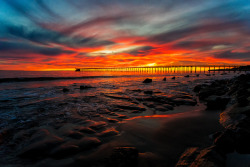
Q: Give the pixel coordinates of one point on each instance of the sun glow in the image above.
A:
(151, 64)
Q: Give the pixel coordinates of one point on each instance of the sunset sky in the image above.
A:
(64, 34)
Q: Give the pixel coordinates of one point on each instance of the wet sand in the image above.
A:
(161, 139)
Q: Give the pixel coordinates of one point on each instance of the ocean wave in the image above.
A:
(2, 80)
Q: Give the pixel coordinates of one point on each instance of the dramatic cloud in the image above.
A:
(142, 51)
(64, 34)
(234, 55)
(8, 47)
(47, 36)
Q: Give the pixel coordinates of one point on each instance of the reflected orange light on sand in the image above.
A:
(153, 116)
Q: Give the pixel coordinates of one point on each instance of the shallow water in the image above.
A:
(120, 102)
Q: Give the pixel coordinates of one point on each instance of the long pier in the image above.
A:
(177, 68)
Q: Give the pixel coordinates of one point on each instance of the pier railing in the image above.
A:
(183, 68)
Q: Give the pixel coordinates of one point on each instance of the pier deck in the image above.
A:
(186, 68)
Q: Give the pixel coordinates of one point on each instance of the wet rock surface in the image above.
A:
(147, 80)
(235, 119)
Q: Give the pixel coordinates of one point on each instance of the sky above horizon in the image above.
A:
(64, 34)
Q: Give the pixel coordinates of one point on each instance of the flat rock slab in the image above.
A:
(88, 143)
(108, 133)
(98, 125)
(86, 130)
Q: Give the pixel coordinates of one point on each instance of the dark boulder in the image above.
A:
(188, 157)
(209, 157)
(41, 148)
(74, 135)
(124, 157)
(197, 88)
(147, 80)
(242, 144)
(98, 125)
(150, 92)
(82, 87)
(86, 130)
(186, 76)
(173, 78)
(164, 79)
(225, 142)
(181, 101)
(217, 102)
(65, 90)
(108, 133)
(88, 143)
(209, 91)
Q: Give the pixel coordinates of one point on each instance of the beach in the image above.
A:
(87, 119)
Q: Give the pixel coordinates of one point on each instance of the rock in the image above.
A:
(98, 125)
(186, 76)
(111, 120)
(65, 150)
(208, 74)
(124, 157)
(86, 130)
(113, 113)
(108, 133)
(82, 87)
(164, 79)
(39, 135)
(198, 75)
(246, 111)
(147, 80)
(173, 78)
(161, 108)
(68, 162)
(150, 105)
(225, 142)
(217, 102)
(242, 100)
(197, 88)
(65, 90)
(130, 107)
(103, 111)
(136, 111)
(137, 90)
(180, 101)
(88, 143)
(188, 157)
(117, 96)
(208, 91)
(185, 96)
(41, 148)
(150, 92)
(242, 143)
(168, 106)
(74, 135)
(209, 157)
(122, 116)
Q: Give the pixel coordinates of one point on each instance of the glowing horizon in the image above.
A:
(64, 35)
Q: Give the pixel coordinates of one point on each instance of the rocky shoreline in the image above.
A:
(76, 127)
(232, 98)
